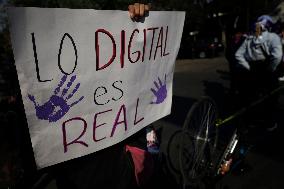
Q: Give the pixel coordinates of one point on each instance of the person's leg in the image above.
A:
(270, 105)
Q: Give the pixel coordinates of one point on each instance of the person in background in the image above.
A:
(257, 61)
(233, 45)
(262, 50)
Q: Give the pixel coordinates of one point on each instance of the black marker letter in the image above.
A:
(36, 60)
(60, 48)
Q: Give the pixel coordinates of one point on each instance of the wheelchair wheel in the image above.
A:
(199, 141)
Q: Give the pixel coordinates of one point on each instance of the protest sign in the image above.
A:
(90, 78)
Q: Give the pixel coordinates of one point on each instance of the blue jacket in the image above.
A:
(251, 50)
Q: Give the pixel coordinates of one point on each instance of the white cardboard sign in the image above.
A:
(91, 78)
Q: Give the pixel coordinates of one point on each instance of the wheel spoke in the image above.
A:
(200, 127)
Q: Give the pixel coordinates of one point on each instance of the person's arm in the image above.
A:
(275, 52)
(138, 9)
(240, 57)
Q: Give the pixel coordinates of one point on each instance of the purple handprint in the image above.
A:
(56, 107)
(161, 92)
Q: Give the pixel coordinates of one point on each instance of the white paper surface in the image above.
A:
(73, 105)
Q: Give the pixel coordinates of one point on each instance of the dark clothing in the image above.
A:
(232, 47)
(256, 82)
(109, 168)
(254, 85)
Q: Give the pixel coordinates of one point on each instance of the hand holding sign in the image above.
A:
(161, 92)
(56, 107)
(138, 10)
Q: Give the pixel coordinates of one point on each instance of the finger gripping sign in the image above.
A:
(90, 79)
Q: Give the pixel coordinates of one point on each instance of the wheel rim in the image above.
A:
(199, 140)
